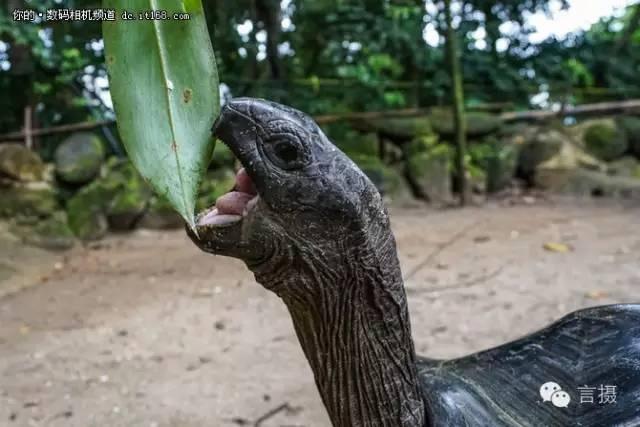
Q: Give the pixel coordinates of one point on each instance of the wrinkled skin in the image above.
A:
(319, 237)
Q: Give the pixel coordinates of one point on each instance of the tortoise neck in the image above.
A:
(356, 335)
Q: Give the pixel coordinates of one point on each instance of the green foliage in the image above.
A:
(164, 85)
(606, 141)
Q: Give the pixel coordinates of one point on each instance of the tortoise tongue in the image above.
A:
(235, 202)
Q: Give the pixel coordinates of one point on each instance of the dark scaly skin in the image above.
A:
(320, 239)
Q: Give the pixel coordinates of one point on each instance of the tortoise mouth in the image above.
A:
(232, 206)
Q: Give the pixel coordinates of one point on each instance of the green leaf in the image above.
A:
(164, 87)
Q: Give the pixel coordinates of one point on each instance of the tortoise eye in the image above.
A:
(286, 152)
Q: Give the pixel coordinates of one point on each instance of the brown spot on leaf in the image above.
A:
(111, 59)
(174, 146)
(187, 95)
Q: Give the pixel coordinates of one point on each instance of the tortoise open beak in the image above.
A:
(224, 228)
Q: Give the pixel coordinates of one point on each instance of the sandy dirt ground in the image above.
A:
(144, 330)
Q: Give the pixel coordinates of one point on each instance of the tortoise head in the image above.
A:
(298, 199)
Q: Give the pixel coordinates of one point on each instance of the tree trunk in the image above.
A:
(270, 14)
(458, 106)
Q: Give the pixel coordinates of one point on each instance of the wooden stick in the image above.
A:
(57, 129)
(586, 109)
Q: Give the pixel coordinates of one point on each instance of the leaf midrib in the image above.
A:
(163, 68)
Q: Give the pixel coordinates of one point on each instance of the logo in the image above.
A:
(552, 392)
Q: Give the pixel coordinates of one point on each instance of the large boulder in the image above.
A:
(78, 159)
(116, 200)
(160, 215)
(498, 160)
(631, 126)
(51, 233)
(358, 144)
(606, 140)
(478, 124)
(563, 168)
(223, 157)
(387, 179)
(87, 211)
(18, 163)
(589, 183)
(397, 129)
(537, 145)
(130, 200)
(215, 184)
(34, 199)
(627, 166)
(429, 170)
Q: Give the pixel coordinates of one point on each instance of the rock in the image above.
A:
(78, 158)
(631, 126)
(18, 163)
(570, 157)
(499, 161)
(160, 215)
(34, 199)
(355, 144)
(397, 129)
(627, 166)
(538, 145)
(223, 157)
(215, 184)
(52, 233)
(388, 180)
(588, 183)
(606, 140)
(478, 124)
(118, 200)
(130, 201)
(429, 170)
(87, 212)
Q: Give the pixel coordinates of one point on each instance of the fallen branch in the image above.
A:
(580, 110)
(439, 249)
(12, 136)
(284, 407)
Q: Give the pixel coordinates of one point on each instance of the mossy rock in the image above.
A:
(355, 143)
(398, 129)
(52, 233)
(588, 183)
(130, 201)
(388, 180)
(631, 126)
(215, 184)
(87, 211)
(478, 124)
(429, 167)
(627, 166)
(78, 158)
(606, 141)
(536, 147)
(117, 199)
(223, 157)
(37, 199)
(498, 160)
(160, 215)
(18, 163)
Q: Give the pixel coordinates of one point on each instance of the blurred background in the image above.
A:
(109, 316)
